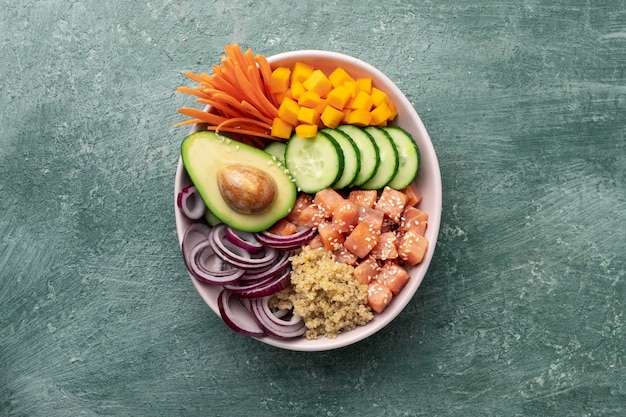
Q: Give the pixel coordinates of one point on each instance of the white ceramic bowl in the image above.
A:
(428, 180)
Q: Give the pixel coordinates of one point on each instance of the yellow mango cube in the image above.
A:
(331, 117)
(281, 129)
(309, 99)
(380, 114)
(364, 84)
(318, 82)
(300, 72)
(306, 130)
(362, 101)
(296, 90)
(308, 116)
(279, 82)
(378, 96)
(359, 117)
(338, 97)
(288, 111)
(339, 76)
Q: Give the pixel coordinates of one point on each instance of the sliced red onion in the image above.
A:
(288, 242)
(200, 258)
(273, 270)
(237, 255)
(258, 289)
(244, 240)
(190, 203)
(237, 316)
(277, 327)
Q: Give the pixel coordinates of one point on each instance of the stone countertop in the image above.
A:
(520, 314)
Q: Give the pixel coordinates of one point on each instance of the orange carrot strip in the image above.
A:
(202, 115)
(197, 78)
(188, 122)
(231, 129)
(256, 113)
(192, 91)
(223, 108)
(266, 73)
(258, 89)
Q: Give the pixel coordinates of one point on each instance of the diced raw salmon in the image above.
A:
(330, 236)
(372, 217)
(283, 227)
(392, 203)
(378, 296)
(365, 198)
(414, 195)
(414, 219)
(328, 200)
(303, 201)
(393, 276)
(316, 242)
(366, 270)
(385, 247)
(346, 216)
(343, 255)
(311, 216)
(412, 247)
(361, 240)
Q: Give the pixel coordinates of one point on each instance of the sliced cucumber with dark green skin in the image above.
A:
(315, 163)
(351, 158)
(388, 166)
(277, 150)
(368, 151)
(408, 155)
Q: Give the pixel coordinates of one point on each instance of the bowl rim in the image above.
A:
(428, 159)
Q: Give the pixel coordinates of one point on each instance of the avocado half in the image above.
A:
(204, 153)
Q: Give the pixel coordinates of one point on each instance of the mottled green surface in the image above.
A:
(521, 313)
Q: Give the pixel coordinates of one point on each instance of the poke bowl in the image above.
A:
(427, 181)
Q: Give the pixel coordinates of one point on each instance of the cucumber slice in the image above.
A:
(351, 159)
(409, 157)
(277, 150)
(368, 152)
(388, 166)
(315, 163)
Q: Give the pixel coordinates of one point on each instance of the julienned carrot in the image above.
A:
(238, 92)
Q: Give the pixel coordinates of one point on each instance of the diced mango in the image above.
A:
(280, 80)
(353, 87)
(288, 111)
(296, 90)
(281, 129)
(364, 84)
(300, 72)
(331, 117)
(378, 96)
(338, 97)
(362, 101)
(309, 99)
(339, 76)
(308, 115)
(380, 114)
(359, 117)
(306, 130)
(318, 82)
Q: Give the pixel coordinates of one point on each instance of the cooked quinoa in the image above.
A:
(325, 294)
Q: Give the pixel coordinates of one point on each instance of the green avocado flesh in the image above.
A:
(204, 153)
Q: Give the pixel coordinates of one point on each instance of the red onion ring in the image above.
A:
(258, 289)
(272, 270)
(190, 203)
(244, 240)
(288, 242)
(273, 325)
(236, 316)
(239, 256)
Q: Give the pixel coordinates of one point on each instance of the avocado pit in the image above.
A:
(246, 189)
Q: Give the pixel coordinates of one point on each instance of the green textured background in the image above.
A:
(521, 313)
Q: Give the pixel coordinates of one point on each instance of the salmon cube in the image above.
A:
(378, 296)
(365, 198)
(330, 237)
(316, 242)
(283, 227)
(361, 240)
(372, 217)
(311, 216)
(329, 200)
(366, 270)
(303, 201)
(393, 276)
(346, 216)
(414, 195)
(412, 247)
(385, 247)
(344, 256)
(414, 219)
(392, 203)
